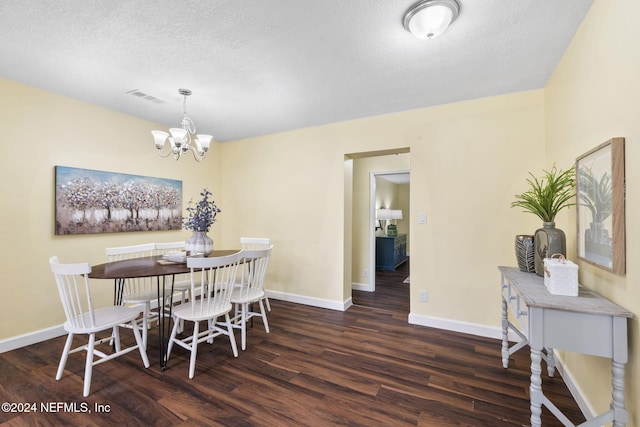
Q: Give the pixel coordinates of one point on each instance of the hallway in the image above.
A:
(391, 291)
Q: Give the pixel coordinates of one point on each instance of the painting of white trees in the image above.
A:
(89, 201)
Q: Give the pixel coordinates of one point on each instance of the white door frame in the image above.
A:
(373, 223)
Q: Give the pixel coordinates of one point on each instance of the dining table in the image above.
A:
(158, 266)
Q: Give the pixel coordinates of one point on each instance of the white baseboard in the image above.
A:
(361, 287)
(458, 326)
(39, 336)
(31, 338)
(315, 302)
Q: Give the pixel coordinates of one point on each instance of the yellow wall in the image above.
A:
(593, 96)
(39, 131)
(404, 204)
(467, 162)
(289, 186)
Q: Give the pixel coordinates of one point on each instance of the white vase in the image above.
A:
(199, 243)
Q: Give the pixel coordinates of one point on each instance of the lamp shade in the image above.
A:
(396, 214)
(179, 135)
(159, 138)
(428, 19)
(383, 214)
(204, 141)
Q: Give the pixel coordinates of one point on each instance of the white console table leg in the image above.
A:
(535, 389)
(551, 362)
(620, 414)
(505, 335)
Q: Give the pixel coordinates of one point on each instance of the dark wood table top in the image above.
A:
(145, 267)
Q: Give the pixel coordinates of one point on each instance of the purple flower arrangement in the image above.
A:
(201, 215)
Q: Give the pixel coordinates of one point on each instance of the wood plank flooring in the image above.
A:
(391, 293)
(363, 367)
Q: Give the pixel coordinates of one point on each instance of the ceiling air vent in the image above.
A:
(142, 95)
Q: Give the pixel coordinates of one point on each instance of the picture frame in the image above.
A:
(91, 201)
(600, 203)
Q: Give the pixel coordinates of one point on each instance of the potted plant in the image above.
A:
(546, 197)
(200, 217)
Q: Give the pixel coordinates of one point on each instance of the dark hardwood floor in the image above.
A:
(391, 293)
(363, 367)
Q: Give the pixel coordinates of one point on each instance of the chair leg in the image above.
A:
(232, 336)
(211, 323)
(183, 300)
(266, 300)
(243, 326)
(194, 350)
(172, 338)
(145, 324)
(88, 367)
(264, 317)
(65, 355)
(236, 313)
(116, 339)
(143, 351)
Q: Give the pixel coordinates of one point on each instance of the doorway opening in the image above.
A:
(375, 180)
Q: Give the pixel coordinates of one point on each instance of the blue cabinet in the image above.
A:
(391, 251)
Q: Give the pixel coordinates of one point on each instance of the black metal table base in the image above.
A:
(164, 325)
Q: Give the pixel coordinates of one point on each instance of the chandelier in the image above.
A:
(184, 138)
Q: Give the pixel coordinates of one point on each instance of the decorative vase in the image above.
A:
(525, 253)
(392, 230)
(547, 241)
(199, 243)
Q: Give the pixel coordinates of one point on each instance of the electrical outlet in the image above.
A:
(365, 273)
(423, 296)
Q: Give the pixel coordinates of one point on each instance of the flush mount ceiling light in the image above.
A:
(428, 19)
(184, 138)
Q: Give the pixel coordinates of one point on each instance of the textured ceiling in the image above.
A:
(262, 66)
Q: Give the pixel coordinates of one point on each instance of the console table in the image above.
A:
(391, 251)
(588, 324)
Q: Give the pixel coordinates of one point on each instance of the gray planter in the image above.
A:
(547, 241)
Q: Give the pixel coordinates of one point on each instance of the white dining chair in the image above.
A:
(250, 290)
(141, 290)
(251, 243)
(212, 283)
(82, 318)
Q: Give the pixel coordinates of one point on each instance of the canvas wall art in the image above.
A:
(90, 201)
